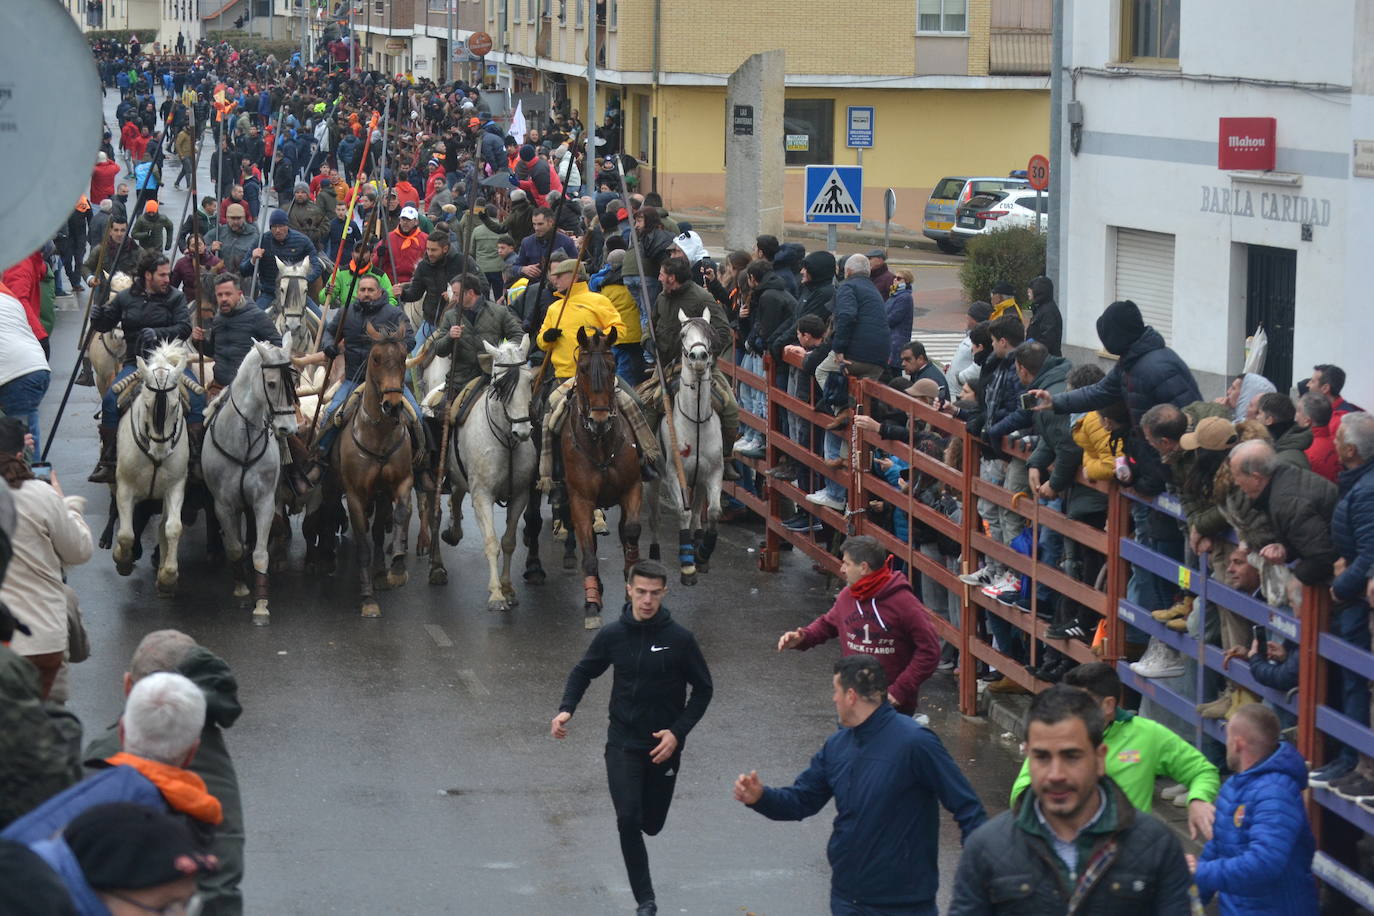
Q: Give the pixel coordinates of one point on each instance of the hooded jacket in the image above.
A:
(1057, 453)
(889, 777)
(771, 310)
(429, 280)
(818, 295)
(1321, 454)
(612, 285)
(290, 250)
(893, 626)
(1301, 506)
(655, 661)
(859, 331)
(584, 309)
(493, 146)
(1352, 530)
(231, 336)
(1010, 868)
(148, 318)
(40, 742)
(356, 342)
(787, 264)
(900, 314)
(1147, 373)
(407, 250)
(1259, 860)
(1291, 444)
(1047, 323)
(882, 281)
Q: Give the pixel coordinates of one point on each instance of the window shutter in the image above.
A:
(1145, 275)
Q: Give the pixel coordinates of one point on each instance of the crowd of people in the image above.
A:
(392, 192)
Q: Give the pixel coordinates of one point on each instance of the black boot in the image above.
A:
(647, 470)
(728, 435)
(85, 377)
(109, 446)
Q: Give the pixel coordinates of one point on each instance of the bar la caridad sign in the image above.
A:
(1270, 205)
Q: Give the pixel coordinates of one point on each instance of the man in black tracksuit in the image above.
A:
(655, 660)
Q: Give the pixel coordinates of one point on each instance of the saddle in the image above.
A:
(350, 407)
(462, 405)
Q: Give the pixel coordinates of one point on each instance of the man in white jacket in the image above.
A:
(48, 535)
(962, 368)
(24, 371)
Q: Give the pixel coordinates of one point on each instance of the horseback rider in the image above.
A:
(237, 324)
(284, 243)
(576, 307)
(234, 240)
(432, 275)
(151, 312)
(368, 307)
(119, 256)
(463, 330)
(681, 294)
(362, 264)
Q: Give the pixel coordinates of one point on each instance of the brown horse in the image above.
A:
(600, 463)
(372, 461)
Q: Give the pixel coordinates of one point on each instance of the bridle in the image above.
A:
(602, 432)
(145, 440)
(260, 435)
(382, 458)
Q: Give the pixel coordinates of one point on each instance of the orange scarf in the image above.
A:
(183, 790)
(409, 241)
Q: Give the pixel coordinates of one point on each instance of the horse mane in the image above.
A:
(164, 355)
(596, 362)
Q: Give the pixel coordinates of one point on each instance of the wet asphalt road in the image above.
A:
(403, 765)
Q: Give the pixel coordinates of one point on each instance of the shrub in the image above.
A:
(282, 49)
(1016, 255)
(147, 36)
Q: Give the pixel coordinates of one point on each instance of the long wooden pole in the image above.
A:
(448, 397)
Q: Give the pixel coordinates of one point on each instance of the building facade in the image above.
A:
(957, 86)
(1207, 174)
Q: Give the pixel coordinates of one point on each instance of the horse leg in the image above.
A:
(233, 546)
(397, 576)
(580, 511)
(438, 574)
(655, 492)
(630, 504)
(486, 523)
(171, 539)
(454, 532)
(534, 520)
(124, 538)
(357, 514)
(513, 512)
(112, 518)
(264, 517)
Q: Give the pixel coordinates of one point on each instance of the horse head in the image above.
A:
(162, 377)
(696, 343)
(512, 383)
(386, 366)
(118, 284)
(596, 377)
(278, 385)
(292, 291)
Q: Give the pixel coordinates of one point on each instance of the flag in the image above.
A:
(517, 123)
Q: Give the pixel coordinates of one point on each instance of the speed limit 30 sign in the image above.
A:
(1038, 171)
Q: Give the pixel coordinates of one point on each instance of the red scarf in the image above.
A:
(873, 583)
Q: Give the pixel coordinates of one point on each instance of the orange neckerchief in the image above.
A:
(408, 241)
(183, 790)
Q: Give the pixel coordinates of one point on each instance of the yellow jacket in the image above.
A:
(1099, 458)
(585, 309)
(624, 302)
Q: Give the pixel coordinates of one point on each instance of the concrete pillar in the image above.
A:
(754, 163)
(1359, 208)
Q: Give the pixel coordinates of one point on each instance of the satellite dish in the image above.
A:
(49, 128)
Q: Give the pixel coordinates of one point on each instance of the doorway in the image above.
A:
(1270, 298)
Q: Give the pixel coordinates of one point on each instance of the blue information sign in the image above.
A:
(860, 127)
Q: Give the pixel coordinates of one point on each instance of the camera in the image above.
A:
(42, 470)
(1028, 401)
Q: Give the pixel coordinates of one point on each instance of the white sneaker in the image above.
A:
(1166, 663)
(978, 578)
(1174, 791)
(1008, 580)
(1181, 800)
(822, 498)
(1151, 653)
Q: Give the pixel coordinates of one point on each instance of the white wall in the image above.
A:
(1148, 161)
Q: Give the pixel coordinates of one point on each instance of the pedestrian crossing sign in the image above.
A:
(834, 194)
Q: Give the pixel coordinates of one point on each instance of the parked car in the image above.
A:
(948, 195)
(1000, 210)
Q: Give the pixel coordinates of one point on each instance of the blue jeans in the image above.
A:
(1351, 623)
(267, 292)
(346, 387)
(833, 444)
(646, 294)
(841, 907)
(751, 399)
(629, 362)
(20, 398)
(109, 405)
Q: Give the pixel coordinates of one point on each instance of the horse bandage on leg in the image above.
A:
(647, 439)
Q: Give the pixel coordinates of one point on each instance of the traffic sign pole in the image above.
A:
(832, 238)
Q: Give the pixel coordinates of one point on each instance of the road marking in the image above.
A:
(437, 633)
(470, 681)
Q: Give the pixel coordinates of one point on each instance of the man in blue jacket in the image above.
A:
(1259, 860)
(859, 327)
(282, 243)
(886, 774)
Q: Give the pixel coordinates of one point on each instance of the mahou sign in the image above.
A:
(1247, 143)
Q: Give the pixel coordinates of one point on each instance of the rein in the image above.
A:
(145, 440)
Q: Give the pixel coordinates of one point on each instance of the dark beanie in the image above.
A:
(128, 846)
(1120, 326)
(820, 265)
(527, 153)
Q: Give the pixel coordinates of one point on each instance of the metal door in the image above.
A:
(1270, 298)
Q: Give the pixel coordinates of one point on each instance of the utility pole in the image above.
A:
(448, 58)
(1054, 266)
(589, 165)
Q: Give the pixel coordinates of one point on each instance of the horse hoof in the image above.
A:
(240, 590)
(654, 552)
(536, 575)
(397, 579)
(703, 566)
(261, 617)
(438, 576)
(450, 538)
(599, 523)
(372, 609)
(511, 598)
(105, 542)
(591, 620)
(689, 578)
(498, 605)
(570, 561)
(125, 569)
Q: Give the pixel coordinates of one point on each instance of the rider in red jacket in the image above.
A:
(877, 614)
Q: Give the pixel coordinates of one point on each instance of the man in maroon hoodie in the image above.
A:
(877, 614)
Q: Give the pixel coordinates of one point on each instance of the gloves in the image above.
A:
(552, 334)
(331, 352)
(147, 340)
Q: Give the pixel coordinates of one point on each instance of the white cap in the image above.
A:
(691, 245)
(409, 212)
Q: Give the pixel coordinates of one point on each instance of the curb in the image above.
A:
(903, 240)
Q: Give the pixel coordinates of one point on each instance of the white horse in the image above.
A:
(291, 314)
(106, 350)
(698, 441)
(154, 453)
(241, 460)
(492, 456)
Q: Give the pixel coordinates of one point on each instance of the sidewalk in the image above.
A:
(902, 239)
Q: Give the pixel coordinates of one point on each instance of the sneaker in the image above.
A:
(784, 471)
(946, 664)
(1007, 687)
(647, 908)
(1182, 609)
(803, 523)
(1349, 778)
(978, 578)
(1066, 631)
(1178, 624)
(1323, 777)
(1006, 582)
(1164, 662)
(1181, 800)
(1174, 791)
(1355, 789)
(990, 675)
(751, 449)
(1218, 708)
(822, 498)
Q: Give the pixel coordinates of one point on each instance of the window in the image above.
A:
(615, 12)
(808, 127)
(577, 17)
(1149, 30)
(942, 16)
(379, 7)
